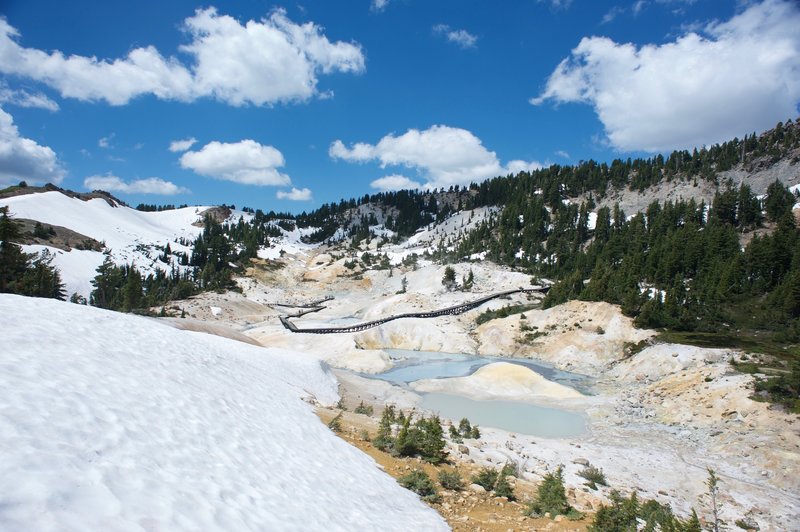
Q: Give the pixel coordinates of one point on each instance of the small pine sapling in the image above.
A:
(451, 480)
(503, 488)
(486, 478)
(455, 435)
(336, 423)
(420, 483)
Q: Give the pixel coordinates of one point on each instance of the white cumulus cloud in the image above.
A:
(22, 159)
(105, 142)
(557, 4)
(181, 145)
(259, 62)
(379, 5)
(23, 98)
(443, 155)
(246, 162)
(151, 185)
(395, 182)
(462, 38)
(738, 76)
(296, 194)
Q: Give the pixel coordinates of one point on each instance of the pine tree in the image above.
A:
(449, 278)
(13, 262)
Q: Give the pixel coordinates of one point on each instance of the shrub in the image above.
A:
(509, 470)
(364, 409)
(384, 440)
(486, 477)
(595, 477)
(550, 496)
(455, 435)
(336, 423)
(420, 483)
(630, 514)
(467, 430)
(424, 438)
(451, 480)
(503, 488)
(746, 524)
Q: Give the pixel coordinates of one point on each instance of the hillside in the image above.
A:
(127, 235)
(629, 289)
(116, 422)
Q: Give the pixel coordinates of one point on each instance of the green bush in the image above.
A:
(467, 430)
(503, 488)
(420, 483)
(424, 438)
(451, 480)
(336, 423)
(364, 409)
(550, 496)
(629, 514)
(509, 470)
(486, 477)
(455, 435)
(502, 312)
(595, 477)
(384, 440)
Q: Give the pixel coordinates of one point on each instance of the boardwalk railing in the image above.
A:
(358, 327)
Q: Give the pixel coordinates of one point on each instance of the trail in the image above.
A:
(358, 327)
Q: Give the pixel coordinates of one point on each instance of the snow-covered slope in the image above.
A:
(132, 236)
(116, 422)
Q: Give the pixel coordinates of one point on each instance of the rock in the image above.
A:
(581, 461)
(559, 518)
(463, 449)
(477, 488)
(662, 492)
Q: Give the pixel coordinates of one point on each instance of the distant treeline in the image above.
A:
(145, 207)
(216, 253)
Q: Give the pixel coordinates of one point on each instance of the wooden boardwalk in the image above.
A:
(358, 327)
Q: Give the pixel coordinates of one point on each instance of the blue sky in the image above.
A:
(286, 106)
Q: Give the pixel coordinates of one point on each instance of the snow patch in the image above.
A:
(117, 422)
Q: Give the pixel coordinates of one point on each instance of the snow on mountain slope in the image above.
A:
(77, 267)
(116, 226)
(116, 422)
(132, 236)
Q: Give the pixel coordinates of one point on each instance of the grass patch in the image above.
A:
(503, 312)
(762, 342)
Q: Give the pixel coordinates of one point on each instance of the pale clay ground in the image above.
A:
(657, 419)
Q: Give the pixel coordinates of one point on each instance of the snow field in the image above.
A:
(116, 422)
